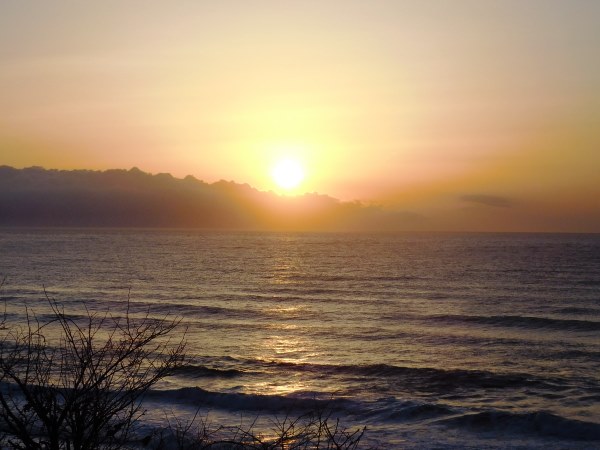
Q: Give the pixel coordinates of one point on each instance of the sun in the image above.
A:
(288, 173)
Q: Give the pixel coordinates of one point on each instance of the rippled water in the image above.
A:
(430, 340)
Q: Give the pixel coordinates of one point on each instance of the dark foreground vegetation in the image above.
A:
(77, 383)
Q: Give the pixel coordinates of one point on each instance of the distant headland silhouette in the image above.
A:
(41, 197)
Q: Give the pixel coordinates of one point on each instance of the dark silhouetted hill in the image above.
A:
(131, 198)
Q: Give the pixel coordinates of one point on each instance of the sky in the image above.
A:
(481, 115)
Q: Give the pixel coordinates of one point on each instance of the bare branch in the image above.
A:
(82, 390)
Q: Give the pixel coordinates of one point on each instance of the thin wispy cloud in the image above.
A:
(488, 200)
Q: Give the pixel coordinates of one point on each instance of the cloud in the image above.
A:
(488, 200)
(131, 198)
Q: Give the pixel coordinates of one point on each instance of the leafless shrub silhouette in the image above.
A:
(77, 383)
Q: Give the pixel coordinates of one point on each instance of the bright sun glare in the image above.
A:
(288, 173)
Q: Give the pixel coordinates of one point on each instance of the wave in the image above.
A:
(591, 355)
(253, 402)
(412, 412)
(533, 423)
(321, 278)
(423, 379)
(578, 310)
(196, 371)
(531, 322)
(391, 410)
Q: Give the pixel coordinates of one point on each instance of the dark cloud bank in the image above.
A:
(131, 198)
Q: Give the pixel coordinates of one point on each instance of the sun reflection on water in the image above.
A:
(286, 351)
(291, 386)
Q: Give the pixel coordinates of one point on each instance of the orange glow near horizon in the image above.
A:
(401, 104)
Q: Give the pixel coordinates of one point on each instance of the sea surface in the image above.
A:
(428, 340)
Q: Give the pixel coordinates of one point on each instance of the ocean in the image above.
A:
(427, 340)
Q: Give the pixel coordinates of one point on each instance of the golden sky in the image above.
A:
(480, 111)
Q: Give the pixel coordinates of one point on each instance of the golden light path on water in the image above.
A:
(286, 350)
